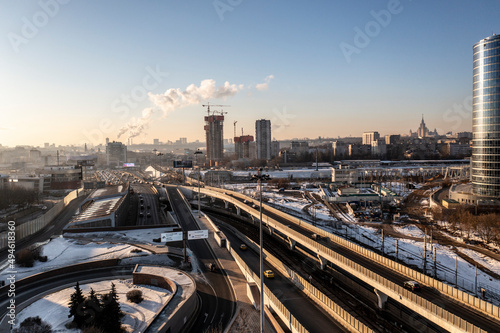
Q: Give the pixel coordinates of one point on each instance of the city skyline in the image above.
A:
(329, 70)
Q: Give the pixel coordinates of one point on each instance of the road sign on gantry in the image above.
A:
(171, 236)
(197, 234)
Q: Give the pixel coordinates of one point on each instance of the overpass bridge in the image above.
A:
(486, 317)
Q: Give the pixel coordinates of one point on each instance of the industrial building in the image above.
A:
(103, 208)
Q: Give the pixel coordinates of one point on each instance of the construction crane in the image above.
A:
(234, 123)
(208, 105)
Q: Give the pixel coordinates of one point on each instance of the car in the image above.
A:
(142, 207)
(149, 215)
(141, 215)
(412, 285)
(243, 247)
(269, 274)
(212, 267)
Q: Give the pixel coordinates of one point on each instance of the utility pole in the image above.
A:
(383, 247)
(199, 174)
(396, 246)
(259, 178)
(456, 272)
(425, 252)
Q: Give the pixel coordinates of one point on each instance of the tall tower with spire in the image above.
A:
(422, 131)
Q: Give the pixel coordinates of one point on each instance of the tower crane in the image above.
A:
(208, 105)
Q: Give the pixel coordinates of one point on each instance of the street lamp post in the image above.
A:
(199, 173)
(259, 177)
(160, 155)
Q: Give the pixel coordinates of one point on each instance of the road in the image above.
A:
(450, 305)
(307, 312)
(217, 298)
(148, 205)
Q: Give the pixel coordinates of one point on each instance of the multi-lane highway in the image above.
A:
(217, 298)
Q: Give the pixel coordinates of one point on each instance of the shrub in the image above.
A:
(33, 325)
(43, 258)
(136, 250)
(135, 296)
(24, 258)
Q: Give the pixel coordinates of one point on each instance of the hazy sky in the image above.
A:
(83, 70)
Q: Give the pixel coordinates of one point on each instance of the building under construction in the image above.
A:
(242, 146)
(214, 138)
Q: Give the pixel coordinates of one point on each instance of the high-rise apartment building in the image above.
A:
(368, 137)
(263, 139)
(485, 169)
(214, 138)
(116, 153)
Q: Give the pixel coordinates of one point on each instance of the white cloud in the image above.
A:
(265, 85)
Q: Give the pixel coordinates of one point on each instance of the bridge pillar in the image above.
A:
(226, 204)
(382, 298)
(322, 262)
(238, 210)
(271, 230)
(292, 243)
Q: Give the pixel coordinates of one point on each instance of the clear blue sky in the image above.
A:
(66, 80)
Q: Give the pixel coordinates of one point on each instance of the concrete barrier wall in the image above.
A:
(425, 308)
(29, 228)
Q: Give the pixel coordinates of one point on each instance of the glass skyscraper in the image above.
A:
(486, 118)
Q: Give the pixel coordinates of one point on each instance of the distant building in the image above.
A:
(242, 146)
(378, 148)
(183, 141)
(156, 142)
(214, 125)
(299, 146)
(263, 139)
(368, 137)
(392, 139)
(116, 153)
(275, 148)
(339, 148)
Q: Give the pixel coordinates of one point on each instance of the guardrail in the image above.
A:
(476, 303)
(28, 228)
(418, 304)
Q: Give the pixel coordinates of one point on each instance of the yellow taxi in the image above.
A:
(269, 274)
(243, 247)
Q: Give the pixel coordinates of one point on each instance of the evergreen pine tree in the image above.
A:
(112, 313)
(76, 306)
(93, 309)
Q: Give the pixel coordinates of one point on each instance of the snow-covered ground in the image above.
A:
(53, 308)
(142, 236)
(490, 263)
(410, 230)
(64, 251)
